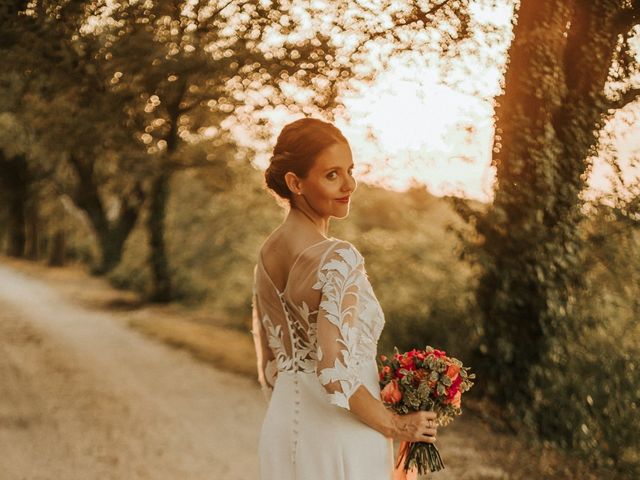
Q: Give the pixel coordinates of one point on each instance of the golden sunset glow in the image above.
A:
(411, 126)
(404, 131)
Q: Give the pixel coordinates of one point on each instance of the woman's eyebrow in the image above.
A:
(338, 167)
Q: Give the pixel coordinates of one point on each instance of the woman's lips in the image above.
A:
(343, 199)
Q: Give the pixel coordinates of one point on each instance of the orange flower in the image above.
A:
(391, 392)
(457, 399)
(453, 371)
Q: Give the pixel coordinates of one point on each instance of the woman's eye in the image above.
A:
(333, 175)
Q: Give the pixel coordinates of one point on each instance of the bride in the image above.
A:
(316, 324)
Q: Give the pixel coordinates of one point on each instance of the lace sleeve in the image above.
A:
(266, 363)
(339, 278)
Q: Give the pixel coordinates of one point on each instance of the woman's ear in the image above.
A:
(293, 182)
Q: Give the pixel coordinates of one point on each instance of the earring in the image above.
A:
(299, 193)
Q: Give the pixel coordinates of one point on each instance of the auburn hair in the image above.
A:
(298, 145)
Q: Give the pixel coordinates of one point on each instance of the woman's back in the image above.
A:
(287, 304)
(316, 329)
(282, 248)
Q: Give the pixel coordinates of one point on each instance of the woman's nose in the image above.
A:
(350, 184)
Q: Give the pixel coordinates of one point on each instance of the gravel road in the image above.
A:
(84, 397)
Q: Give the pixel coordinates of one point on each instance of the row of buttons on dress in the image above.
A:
(296, 412)
(296, 390)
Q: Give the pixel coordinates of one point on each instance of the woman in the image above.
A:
(316, 323)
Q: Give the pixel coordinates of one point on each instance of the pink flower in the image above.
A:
(385, 372)
(438, 353)
(408, 362)
(454, 389)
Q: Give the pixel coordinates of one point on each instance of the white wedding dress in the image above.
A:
(316, 343)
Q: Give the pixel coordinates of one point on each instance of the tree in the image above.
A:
(554, 103)
(50, 67)
(14, 185)
(178, 71)
(189, 67)
(184, 69)
(15, 175)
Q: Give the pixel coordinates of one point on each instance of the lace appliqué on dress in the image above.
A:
(333, 341)
(340, 279)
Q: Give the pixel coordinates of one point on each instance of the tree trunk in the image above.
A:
(162, 291)
(111, 235)
(547, 124)
(14, 180)
(57, 252)
(16, 224)
(32, 229)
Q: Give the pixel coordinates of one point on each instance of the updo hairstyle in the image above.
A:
(298, 144)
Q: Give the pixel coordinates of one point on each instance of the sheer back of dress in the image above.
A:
(326, 319)
(289, 315)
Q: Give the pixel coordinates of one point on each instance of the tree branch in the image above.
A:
(625, 99)
(86, 196)
(628, 17)
(219, 10)
(130, 209)
(418, 14)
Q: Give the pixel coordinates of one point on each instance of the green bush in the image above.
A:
(590, 404)
(587, 394)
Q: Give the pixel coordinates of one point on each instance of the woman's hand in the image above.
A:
(413, 427)
(416, 427)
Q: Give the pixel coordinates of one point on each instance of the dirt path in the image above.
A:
(83, 397)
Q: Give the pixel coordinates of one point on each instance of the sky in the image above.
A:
(411, 126)
(430, 133)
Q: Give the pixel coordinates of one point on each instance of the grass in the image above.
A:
(225, 348)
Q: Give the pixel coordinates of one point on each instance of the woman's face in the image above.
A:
(329, 184)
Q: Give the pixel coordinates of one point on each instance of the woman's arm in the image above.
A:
(372, 412)
(265, 361)
(340, 278)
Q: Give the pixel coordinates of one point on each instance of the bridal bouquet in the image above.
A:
(423, 380)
